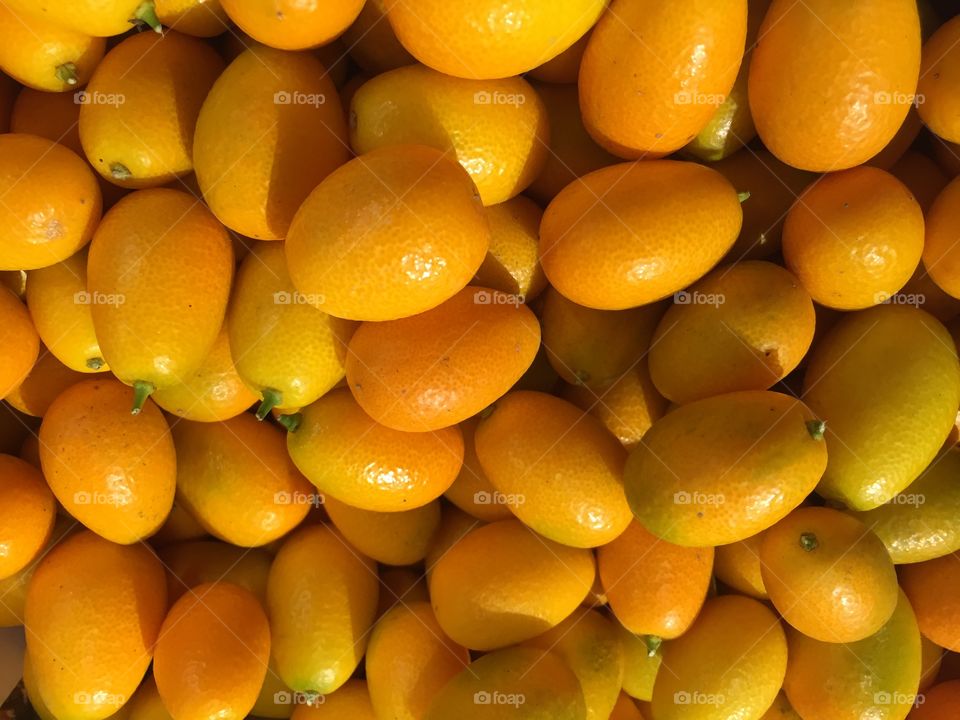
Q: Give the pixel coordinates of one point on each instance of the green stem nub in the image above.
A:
(146, 14)
(808, 541)
(271, 398)
(743, 196)
(95, 363)
(141, 391)
(119, 171)
(816, 428)
(67, 73)
(653, 644)
(291, 422)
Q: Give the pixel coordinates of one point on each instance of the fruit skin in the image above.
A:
(245, 141)
(498, 130)
(440, 367)
(214, 392)
(887, 383)
(91, 17)
(361, 254)
(562, 69)
(854, 238)
(589, 644)
(488, 39)
(640, 665)
(237, 480)
(512, 264)
(351, 457)
(939, 78)
(352, 701)
(51, 202)
(193, 563)
(501, 584)
(558, 468)
(162, 80)
(831, 83)
(158, 274)
(200, 18)
(472, 491)
(637, 246)
(114, 472)
(281, 343)
(409, 660)
(828, 575)
(27, 514)
(96, 608)
(372, 43)
(939, 702)
(654, 587)
(212, 653)
(636, 105)
(60, 307)
(43, 55)
(496, 686)
(19, 341)
(13, 589)
(738, 566)
(391, 538)
(742, 327)
(322, 597)
(146, 703)
(920, 523)
(292, 25)
(931, 587)
(732, 659)
(781, 710)
(719, 470)
(47, 379)
(940, 260)
(922, 177)
(874, 677)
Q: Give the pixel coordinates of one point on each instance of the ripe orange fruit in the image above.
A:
(45, 55)
(392, 538)
(19, 341)
(885, 420)
(535, 682)
(212, 653)
(51, 202)
(27, 512)
(192, 563)
(497, 130)
(931, 588)
(502, 584)
(558, 469)
(472, 491)
(371, 42)
(158, 276)
(719, 470)
(931, 660)
(409, 660)
(828, 575)
(200, 18)
(661, 226)
(148, 86)
(91, 598)
(876, 676)
(742, 327)
(732, 660)
(291, 25)
(53, 115)
(61, 310)
(922, 177)
(940, 258)
(440, 367)
(236, 478)
(625, 709)
(112, 471)
(362, 254)
(512, 264)
(322, 599)
(653, 75)
(562, 69)
(738, 565)
(654, 587)
(286, 133)
(854, 238)
(939, 702)
(939, 79)
(146, 703)
(830, 84)
(47, 379)
(13, 588)
(487, 40)
(352, 458)
(352, 700)
(642, 658)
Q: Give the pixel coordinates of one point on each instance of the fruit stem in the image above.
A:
(67, 73)
(291, 422)
(816, 428)
(141, 391)
(743, 196)
(808, 541)
(653, 644)
(147, 15)
(94, 363)
(271, 398)
(120, 171)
